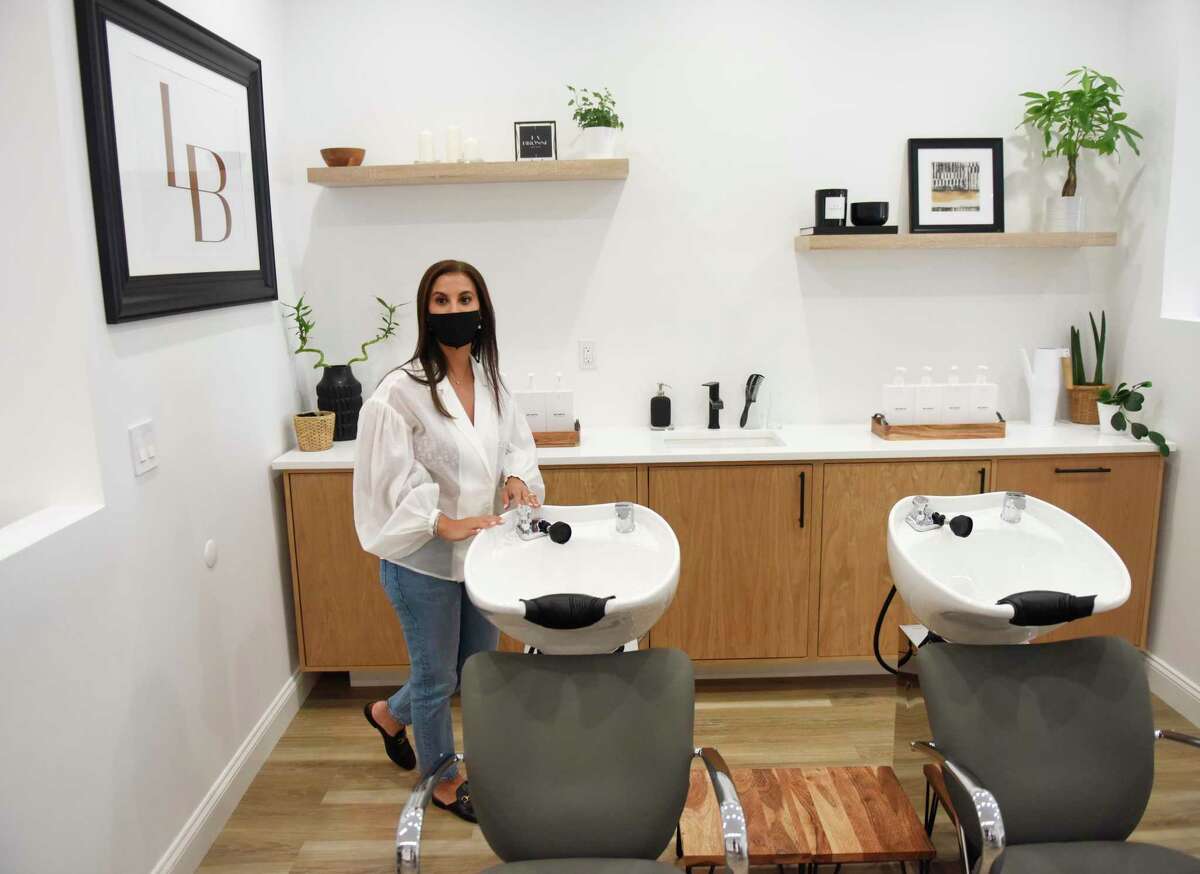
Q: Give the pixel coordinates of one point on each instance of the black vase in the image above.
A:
(340, 393)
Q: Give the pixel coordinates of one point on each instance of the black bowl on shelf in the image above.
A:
(869, 212)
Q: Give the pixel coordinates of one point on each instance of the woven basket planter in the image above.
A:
(1083, 403)
(314, 431)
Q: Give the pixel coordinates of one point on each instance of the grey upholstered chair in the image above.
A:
(579, 764)
(1048, 754)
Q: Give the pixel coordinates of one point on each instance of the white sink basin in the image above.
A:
(718, 439)
(626, 580)
(953, 583)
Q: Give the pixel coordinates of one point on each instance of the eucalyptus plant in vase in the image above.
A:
(338, 391)
(1086, 114)
(596, 114)
(1115, 408)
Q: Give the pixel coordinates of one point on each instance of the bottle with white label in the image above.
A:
(898, 400)
(928, 397)
(956, 400)
(533, 405)
(560, 407)
(984, 396)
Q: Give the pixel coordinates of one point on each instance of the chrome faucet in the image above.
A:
(526, 525)
(919, 517)
(715, 405)
(1014, 503)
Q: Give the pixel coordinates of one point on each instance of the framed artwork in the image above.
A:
(956, 185)
(178, 159)
(535, 140)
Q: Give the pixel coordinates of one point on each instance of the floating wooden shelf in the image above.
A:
(481, 171)
(957, 241)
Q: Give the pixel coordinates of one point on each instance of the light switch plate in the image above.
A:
(143, 447)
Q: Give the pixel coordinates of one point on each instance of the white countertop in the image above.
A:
(801, 443)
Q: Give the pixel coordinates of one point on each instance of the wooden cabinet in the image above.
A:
(745, 537)
(855, 578)
(1118, 497)
(590, 485)
(343, 618)
(779, 561)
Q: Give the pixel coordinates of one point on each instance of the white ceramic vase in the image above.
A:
(1064, 214)
(597, 142)
(1106, 412)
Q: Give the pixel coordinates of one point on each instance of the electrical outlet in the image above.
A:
(587, 354)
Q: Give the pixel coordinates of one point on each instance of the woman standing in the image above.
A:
(441, 448)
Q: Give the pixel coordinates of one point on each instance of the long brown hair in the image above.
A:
(429, 352)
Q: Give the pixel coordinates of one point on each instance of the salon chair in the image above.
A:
(579, 764)
(1048, 755)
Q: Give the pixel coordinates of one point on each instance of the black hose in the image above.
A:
(887, 602)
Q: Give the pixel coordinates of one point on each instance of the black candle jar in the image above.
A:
(831, 207)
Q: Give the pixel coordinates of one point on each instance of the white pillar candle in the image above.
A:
(454, 144)
(470, 149)
(425, 147)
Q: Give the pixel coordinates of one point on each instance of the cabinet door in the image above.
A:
(745, 543)
(1118, 498)
(854, 567)
(346, 620)
(590, 485)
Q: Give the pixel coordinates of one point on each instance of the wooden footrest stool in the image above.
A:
(805, 816)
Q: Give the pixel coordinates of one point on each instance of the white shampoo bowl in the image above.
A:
(632, 575)
(953, 583)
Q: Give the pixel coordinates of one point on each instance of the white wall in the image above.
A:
(1152, 347)
(41, 325)
(735, 114)
(132, 672)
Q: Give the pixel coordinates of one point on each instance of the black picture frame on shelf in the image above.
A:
(535, 140)
(956, 185)
(178, 158)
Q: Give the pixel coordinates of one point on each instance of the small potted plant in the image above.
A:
(596, 113)
(1086, 116)
(338, 391)
(1083, 393)
(1114, 408)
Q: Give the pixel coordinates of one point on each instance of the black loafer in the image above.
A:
(462, 806)
(398, 748)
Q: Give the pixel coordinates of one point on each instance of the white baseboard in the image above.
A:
(187, 851)
(1174, 688)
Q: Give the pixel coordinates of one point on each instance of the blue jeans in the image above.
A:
(442, 629)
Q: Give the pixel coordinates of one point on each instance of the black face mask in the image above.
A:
(454, 329)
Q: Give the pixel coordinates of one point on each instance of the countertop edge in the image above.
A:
(1062, 439)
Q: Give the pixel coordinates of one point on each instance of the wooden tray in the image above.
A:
(557, 438)
(881, 428)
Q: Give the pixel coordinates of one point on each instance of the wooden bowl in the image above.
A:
(343, 157)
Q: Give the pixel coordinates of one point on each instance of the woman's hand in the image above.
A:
(454, 530)
(516, 492)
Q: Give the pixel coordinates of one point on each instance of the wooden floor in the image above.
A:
(327, 799)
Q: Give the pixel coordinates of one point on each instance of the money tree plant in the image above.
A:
(1086, 114)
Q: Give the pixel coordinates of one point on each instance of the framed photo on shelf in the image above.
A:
(178, 158)
(956, 185)
(535, 140)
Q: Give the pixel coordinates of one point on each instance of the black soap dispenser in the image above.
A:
(660, 409)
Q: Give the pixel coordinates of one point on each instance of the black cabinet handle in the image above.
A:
(982, 480)
(1083, 470)
(802, 490)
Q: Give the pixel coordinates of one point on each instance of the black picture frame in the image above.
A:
(129, 298)
(993, 144)
(521, 154)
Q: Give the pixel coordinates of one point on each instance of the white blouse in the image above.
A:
(412, 463)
